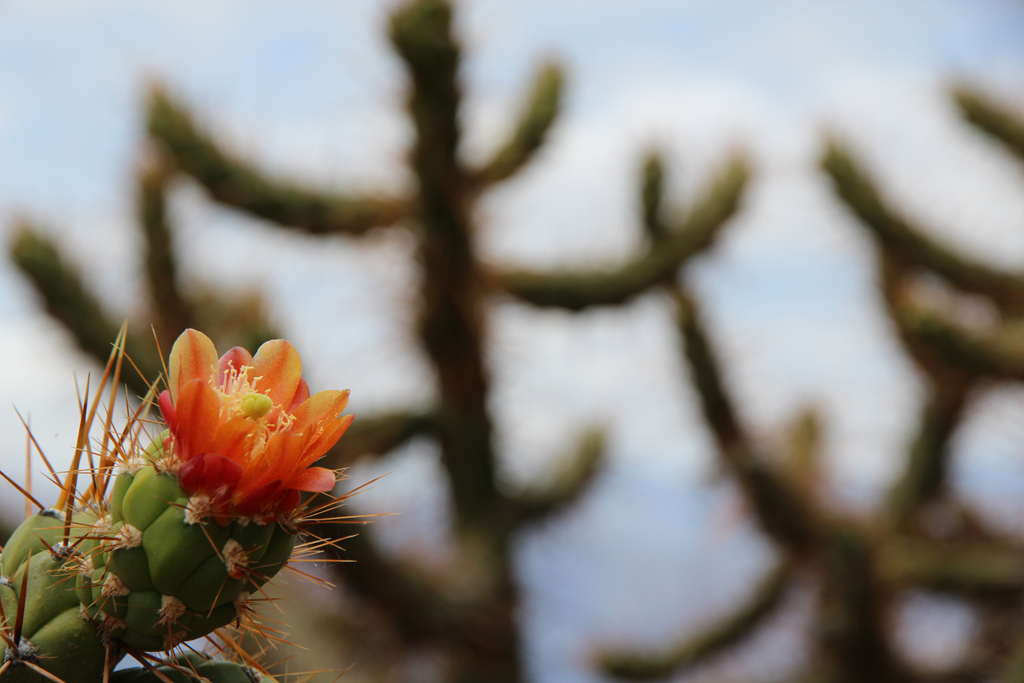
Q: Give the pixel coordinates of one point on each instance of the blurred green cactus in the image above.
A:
(237, 320)
(864, 564)
(479, 637)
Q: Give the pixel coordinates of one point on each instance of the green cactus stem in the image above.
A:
(161, 575)
(852, 643)
(990, 569)
(924, 477)
(190, 668)
(45, 632)
(781, 512)
(909, 243)
(529, 133)
(171, 309)
(37, 533)
(997, 121)
(652, 182)
(564, 487)
(725, 633)
(657, 265)
(70, 301)
(235, 183)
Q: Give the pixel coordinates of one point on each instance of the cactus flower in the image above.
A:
(244, 430)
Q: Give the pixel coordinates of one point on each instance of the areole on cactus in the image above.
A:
(196, 520)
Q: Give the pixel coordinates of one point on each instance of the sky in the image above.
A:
(311, 90)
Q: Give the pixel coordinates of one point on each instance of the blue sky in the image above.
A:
(311, 89)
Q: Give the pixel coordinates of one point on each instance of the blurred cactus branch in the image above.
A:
(656, 266)
(852, 644)
(451, 318)
(1014, 670)
(924, 477)
(948, 386)
(237, 184)
(79, 310)
(951, 358)
(424, 614)
(802, 463)
(530, 131)
(172, 312)
(961, 568)
(377, 435)
(999, 354)
(479, 631)
(1000, 123)
(968, 561)
(1000, 645)
(567, 484)
(652, 190)
(909, 244)
(782, 513)
(480, 634)
(861, 571)
(236, 321)
(727, 632)
(942, 347)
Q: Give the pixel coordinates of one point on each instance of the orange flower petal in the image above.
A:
(167, 410)
(316, 479)
(234, 439)
(279, 368)
(315, 430)
(317, 419)
(201, 429)
(278, 459)
(198, 412)
(193, 356)
(301, 394)
(321, 406)
(237, 358)
(327, 436)
(310, 446)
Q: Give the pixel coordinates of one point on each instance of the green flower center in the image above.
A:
(255, 406)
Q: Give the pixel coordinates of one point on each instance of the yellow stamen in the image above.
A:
(238, 394)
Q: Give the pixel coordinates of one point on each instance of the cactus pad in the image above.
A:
(193, 667)
(53, 634)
